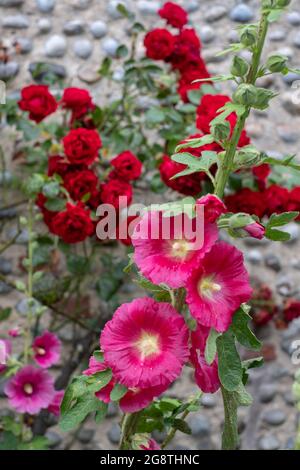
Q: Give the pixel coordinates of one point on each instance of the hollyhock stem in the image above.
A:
(30, 283)
(129, 423)
(230, 432)
(227, 162)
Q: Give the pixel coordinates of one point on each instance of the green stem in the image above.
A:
(227, 162)
(128, 427)
(27, 341)
(230, 432)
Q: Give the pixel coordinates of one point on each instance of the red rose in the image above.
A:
(159, 44)
(190, 185)
(79, 183)
(77, 100)
(291, 310)
(82, 146)
(60, 166)
(38, 101)
(174, 14)
(127, 166)
(190, 75)
(113, 189)
(262, 317)
(276, 199)
(186, 50)
(247, 201)
(294, 200)
(126, 229)
(209, 110)
(74, 224)
(261, 173)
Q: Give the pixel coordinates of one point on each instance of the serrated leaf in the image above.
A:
(277, 220)
(84, 405)
(181, 425)
(229, 363)
(242, 331)
(277, 235)
(195, 142)
(99, 380)
(101, 412)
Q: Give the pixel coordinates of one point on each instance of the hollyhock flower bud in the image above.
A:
(54, 406)
(245, 94)
(213, 207)
(277, 63)
(145, 344)
(248, 37)
(255, 230)
(46, 349)
(218, 287)
(38, 101)
(239, 66)
(30, 390)
(14, 332)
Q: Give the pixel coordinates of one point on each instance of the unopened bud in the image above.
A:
(245, 94)
(239, 66)
(276, 63)
(248, 37)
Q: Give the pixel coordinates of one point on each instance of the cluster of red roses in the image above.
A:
(77, 168)
(182, 50)
(265, 308)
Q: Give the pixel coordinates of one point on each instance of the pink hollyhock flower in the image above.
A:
(218, 287)
(206, 376)
(171, 257)
(145, 344)
(255, 230)
(46, 349)
(14, 332)
(213, 207)
(134, 400)
(152, 445)
(5, 351)
(54, 406)
(30, 390)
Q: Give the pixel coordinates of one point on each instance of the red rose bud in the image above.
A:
(37, 100)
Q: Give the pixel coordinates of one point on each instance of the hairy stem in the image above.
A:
(230, 432)
(128, 427)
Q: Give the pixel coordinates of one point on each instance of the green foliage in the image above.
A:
(229, 363)
(279, 220)
(241, 329)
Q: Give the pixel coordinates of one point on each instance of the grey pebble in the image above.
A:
(110, 46)
(22, 306)
(56, 46)
(16, 22)
(8, 213)
(5, 178)
(293, 18)
(85, 435)
(114, 434)
(40, 70)
(83, 48)
(74, 27)
(269, 442)
(291, 77)
(254, 257)
(241, 13)
(98, 29)
(207, 34)
(208, 401)
(4, 288)
(81, 4)
(112, 410)
(5, 266)
(45, 6)
(9, 70)
(44, 25)
(273, 262)
(191, 6)
(148, 8)
(54, 439)
(112, 8)
(11, 3)
(289, 398)
(200, 425)
(277, 35)
(294, 231)
(296, 40)
(25, 45)
(267, 392)
(274, 417)
(215, 13)
(285, 287)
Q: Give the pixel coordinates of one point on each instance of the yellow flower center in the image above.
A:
(41, 351)
(180, 248)
(28, 389)
(207, 287)
(147, 344)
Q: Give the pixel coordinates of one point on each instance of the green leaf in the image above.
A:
(122, 51)
(99, 380)
(195, 96)
(8, 441)
(74, 390)
(101, 412)
(169, 404)
(84, 405)
(242, 331)
(277, 220)
(243, 397)
(118, 392)
(104, 70)
(155, 115)
(5, 313)
(229, 363)
(211, 346)
(195, 142)
(253, 363)
(277, 235)
(55, 205)
(98, 355)
(181, 425)
(37, 443)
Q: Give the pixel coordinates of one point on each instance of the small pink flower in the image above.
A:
(166, 255)
(5, 351)
(54, 406)
(255, 230)
(218, 287)
(206, 375)
(14, 332)
(145, 344)
(152, 445)
(46, 349)
(30, 390)
(213, 207)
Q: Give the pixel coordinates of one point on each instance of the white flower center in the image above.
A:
(207, 287)
(28, 388)
(180, 248)
(147, 344)
(41, 351)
